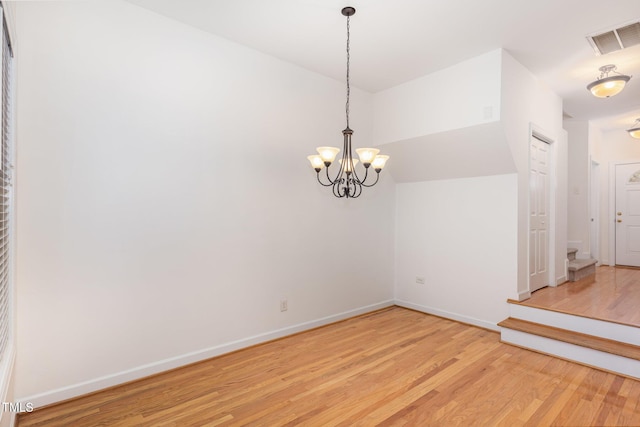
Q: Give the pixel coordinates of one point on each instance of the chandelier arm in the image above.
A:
(374, 183)
(338, 182)
(366, 173)
(322, 183)
(332, 181)
(337, 190)
(357, 189)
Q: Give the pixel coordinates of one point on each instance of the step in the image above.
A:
(579, 349)
(571, 253)
(615, 331)
(598, 343)
(584, 340)
(581, 268)
(578, 264)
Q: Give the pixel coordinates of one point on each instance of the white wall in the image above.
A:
(611, 146)
(165, 203)
(468, 237)
(578, 227)
(137, 252)
(457, 196)
(460, 235)
(460, 96)
(529, 105)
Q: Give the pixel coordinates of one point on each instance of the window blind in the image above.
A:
(6, 172)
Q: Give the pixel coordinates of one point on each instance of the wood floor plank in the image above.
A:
(391, 367)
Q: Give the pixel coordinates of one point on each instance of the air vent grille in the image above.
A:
(616, 39)
(630, 35)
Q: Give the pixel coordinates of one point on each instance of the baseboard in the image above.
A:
(449, 315)
(86, 387)
(524, 295)
(560, 280)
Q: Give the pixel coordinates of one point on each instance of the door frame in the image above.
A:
(611, 217)
(542, 135)
(594, 210)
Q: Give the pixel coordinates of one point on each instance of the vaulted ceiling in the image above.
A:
(397, 41)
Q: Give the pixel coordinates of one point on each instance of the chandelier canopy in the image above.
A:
(347, 183)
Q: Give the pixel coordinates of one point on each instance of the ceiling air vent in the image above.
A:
(617, 39)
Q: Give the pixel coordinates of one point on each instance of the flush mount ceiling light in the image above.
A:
(347, 183)
(605, 85)
(635, 130)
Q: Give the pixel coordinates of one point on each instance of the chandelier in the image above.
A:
(347, 183)
(634, 132)
(605, 85)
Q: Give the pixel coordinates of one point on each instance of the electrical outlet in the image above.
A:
(420, 280)
(284, 306)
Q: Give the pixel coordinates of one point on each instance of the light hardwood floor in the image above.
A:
(391, 367)
(613, 295)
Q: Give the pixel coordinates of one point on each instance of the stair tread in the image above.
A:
(590, 341)
(577, 264)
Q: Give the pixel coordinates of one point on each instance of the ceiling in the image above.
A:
(394, 41)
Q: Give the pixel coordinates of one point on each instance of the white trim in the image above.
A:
(594, 209)
(85, 387)
(524, 295)
(449, 315)
(584, 325)
(587, 356)
(612, 207)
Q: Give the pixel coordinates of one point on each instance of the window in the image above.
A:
(6, 206)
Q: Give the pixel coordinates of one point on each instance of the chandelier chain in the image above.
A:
(348, 61)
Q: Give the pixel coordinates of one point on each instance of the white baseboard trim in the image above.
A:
(560, 280)
(79, 389)
(524, 295)
(449, 315)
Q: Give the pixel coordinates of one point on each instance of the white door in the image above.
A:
(539, 215)
(627, 215)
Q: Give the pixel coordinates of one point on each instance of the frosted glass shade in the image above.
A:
(609, 86)
(635, 132)
(347, 167)
(328, 154)
(380, 161)
(367, 154)
(316, 161)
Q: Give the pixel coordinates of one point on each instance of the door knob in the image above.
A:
(619, 220)
(619, 213)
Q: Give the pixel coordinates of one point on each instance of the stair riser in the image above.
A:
(574, 276)
(600, 328)
(587, 356)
